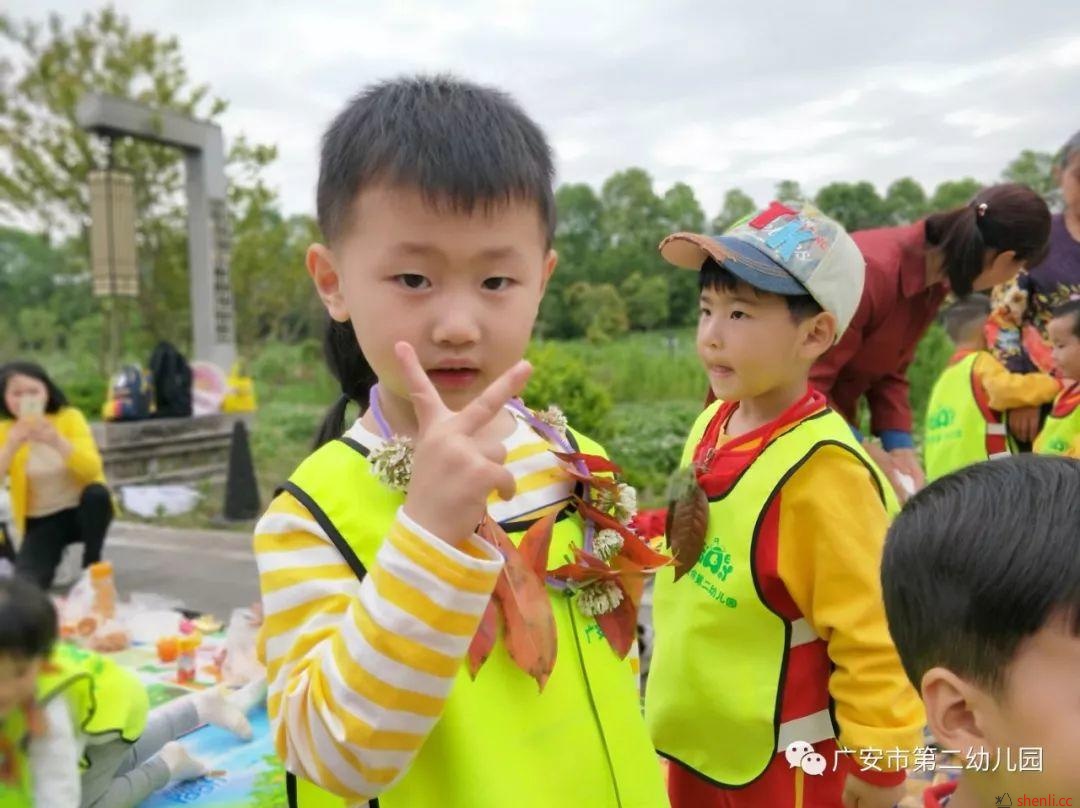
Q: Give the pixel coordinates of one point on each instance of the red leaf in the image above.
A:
(602, 520)
(605, 483)
(528, 622)
(593, 463)
(620, 627)
(484, 639)
(639, 551)
(585, 568)
(688, 521)
(536, 543)
(631, 578)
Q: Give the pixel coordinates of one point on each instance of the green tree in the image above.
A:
(1033, 168)
(953, 193)
(45, 70)
(789, 191)
(579, 241)
(598, 310)
(905, 201)
(646, 299)
(856, 206)
(37, 329)
(682, 211)
(737, 204)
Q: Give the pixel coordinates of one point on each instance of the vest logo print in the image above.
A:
(713, 568)
(941, 418)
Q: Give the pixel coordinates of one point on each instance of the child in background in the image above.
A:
(435, 201)
(773, 670)
(74, 726)
(980, 577)
(1060, 433)
(964, 423)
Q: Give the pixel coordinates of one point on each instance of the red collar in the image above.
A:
(718, 467)
(933, 796)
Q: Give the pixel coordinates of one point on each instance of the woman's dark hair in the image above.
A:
(981, 559)
(1069, 309)
(28, 624)
(463, 146)
(999, 218)
(56, 400)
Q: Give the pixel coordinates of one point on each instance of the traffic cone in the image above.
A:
(241, 488)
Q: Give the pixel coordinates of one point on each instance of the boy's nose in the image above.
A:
(456, 325)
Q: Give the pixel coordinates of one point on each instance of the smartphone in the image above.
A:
(31, 406)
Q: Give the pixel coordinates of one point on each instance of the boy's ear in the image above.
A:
(551, 260)
(955, 710)
(819, 333)
(323, 271)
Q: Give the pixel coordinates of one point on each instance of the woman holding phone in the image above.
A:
(58, 493)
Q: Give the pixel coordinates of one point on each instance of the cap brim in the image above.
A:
(749, 264)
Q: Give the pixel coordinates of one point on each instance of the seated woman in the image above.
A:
(58, 493)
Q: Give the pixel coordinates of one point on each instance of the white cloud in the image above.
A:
(703, 92)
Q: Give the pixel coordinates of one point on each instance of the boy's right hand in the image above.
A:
(861, 794)
(19, 434)
(454, 468)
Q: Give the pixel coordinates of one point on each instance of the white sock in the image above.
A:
(248, 697)
(181, 765)
(214, 708)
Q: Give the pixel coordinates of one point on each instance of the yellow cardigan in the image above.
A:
(84, 460)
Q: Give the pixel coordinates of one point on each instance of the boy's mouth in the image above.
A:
(453, 378)
(720, 371)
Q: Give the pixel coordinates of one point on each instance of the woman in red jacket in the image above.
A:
(909, 271)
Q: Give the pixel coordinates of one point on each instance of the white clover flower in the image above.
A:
(607, 543)
(626, 505)
(599, 597)
(393, 461)
(553, 417)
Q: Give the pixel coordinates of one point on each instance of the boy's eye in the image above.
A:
(412, 281)
(704, 312)
(497, 284)
(738, 315)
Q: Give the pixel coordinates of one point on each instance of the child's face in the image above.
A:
(1065, 346)
(750, 344)
(18, 678)
(1070, 185)
(1039, 708)
(462, 289)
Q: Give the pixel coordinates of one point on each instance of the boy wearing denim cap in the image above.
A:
(774, 680)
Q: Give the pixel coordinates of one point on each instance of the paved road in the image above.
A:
(209, 570)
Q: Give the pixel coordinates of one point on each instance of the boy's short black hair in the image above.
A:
(28, 623)
(460, 144)
(1069, 309)
(714, 275)
(981, 559)
(964, 316)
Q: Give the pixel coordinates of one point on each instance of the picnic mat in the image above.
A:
(242, 774)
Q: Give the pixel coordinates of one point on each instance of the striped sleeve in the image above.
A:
(359, 672)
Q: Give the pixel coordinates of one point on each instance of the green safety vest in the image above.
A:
(499, 742)
(1062, 425)
(713, 698)
(104, 699)
(16, 789)
(961, 429)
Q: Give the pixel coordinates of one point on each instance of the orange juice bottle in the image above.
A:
(168, 648)
(104, 586)
(185, 662)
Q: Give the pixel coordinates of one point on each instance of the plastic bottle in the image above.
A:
(104, 586)
(185, 661)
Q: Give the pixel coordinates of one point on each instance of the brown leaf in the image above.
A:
(484, 640)
(688, 520)
(620, 627)
(528, 623)
(536, 542)
(593, 463)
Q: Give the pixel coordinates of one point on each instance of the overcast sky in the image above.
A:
(715, 93)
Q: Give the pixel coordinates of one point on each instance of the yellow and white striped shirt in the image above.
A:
(359, 670)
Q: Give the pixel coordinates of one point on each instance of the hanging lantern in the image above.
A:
(112, 234)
